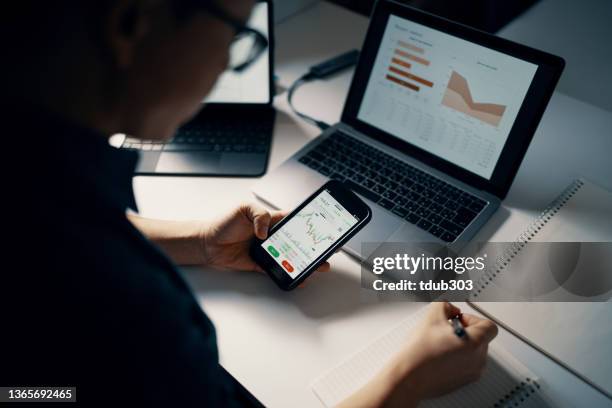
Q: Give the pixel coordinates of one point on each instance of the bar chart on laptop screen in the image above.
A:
(450, 97)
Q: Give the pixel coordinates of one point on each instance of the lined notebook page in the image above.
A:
(505, 382)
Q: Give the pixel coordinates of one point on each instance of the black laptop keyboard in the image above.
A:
(235, 137)
(418, 197)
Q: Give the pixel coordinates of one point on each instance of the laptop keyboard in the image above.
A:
(234, 137)
(420, 198)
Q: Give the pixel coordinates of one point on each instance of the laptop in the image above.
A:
(435, 125)
(232, 134)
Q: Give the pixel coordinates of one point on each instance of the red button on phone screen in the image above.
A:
(287, 266)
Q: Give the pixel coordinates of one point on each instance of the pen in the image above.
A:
(457, 326)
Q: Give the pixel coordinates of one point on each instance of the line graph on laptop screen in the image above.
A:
(448, 96)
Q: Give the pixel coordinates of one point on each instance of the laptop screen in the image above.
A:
(450, 97)
(251, 86)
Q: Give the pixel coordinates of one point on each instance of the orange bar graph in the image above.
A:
(412, 57)
(400, 62)
(411, 76)
(411, 47)
(403, 83)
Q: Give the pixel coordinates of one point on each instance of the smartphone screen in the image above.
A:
(309, 233)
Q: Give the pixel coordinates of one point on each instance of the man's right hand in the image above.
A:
(434, 361)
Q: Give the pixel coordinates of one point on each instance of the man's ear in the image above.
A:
(127, 23)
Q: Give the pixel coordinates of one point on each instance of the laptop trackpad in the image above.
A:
(240, 163)
(382, 225)
(188, 162)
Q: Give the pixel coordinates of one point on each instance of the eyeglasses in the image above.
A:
(248, 44)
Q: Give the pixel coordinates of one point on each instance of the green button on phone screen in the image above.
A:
(273, 251)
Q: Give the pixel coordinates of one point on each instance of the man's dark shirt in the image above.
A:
(87, 301)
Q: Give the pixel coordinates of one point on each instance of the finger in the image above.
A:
(324, 267)
(443, 311)
(276, 216)
(470, 319)
(260, 218)
(482, 331)
(450, 310)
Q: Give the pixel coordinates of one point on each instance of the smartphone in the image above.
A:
(298, 244)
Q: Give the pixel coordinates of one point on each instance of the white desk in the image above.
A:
(276, 343)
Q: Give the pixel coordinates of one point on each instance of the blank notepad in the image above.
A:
(505, 383)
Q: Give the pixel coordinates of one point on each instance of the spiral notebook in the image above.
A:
(576, 335)
(505, 382)
(578, 220)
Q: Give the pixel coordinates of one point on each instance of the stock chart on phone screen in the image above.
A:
(309, 233)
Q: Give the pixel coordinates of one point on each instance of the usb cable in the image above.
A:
(321, 71)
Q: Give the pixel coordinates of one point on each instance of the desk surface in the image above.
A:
(277, 343)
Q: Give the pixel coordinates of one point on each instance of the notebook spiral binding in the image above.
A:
(519, 394)
(506, 257)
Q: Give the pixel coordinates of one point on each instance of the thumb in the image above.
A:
(260, 218)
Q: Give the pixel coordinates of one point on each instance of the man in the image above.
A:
(88, 300)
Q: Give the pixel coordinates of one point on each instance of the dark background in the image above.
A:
(487, 15)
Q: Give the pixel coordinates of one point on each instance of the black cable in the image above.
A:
(321, 71)
(296, 84)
